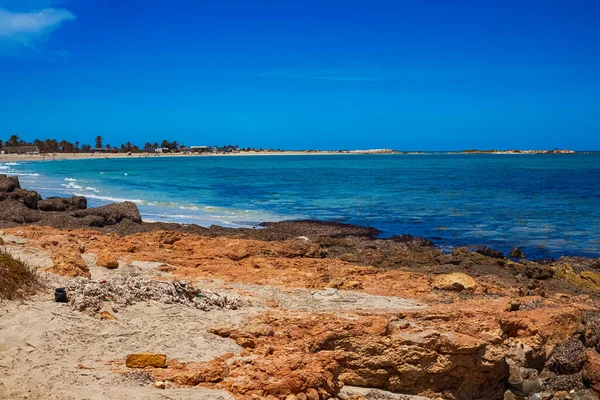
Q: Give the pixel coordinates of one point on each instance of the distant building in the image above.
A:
(21, 150)
(202, 149)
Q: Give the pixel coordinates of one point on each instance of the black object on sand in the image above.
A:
(60, 295)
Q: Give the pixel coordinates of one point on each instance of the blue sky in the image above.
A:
(418, 74)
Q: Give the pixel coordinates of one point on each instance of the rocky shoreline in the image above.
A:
(321, 308)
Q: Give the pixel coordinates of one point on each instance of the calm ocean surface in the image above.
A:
(548, 205)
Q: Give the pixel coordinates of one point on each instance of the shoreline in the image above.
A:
(85, 156)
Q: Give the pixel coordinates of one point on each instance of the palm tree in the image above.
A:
(77, 146)
(99, 140)
(13, 141)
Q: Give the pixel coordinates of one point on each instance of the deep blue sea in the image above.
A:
(548, 205)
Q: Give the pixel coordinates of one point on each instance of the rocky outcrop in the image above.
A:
(110, 214)
(432, 353)
(19, 206)
(63, 204)
(8, 183)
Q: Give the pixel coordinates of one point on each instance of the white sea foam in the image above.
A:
(109, 198)
(26, 174)
(194, 208)
(11, 163)
(4, 167)
(72, 185)
(93, 189)
(70, 179)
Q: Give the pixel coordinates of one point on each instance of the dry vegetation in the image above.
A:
(17, 279)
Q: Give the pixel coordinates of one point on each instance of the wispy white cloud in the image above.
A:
(22, 31)
(325, 74)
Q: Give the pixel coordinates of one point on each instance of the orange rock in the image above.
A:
(143, 360)
(107, 316)
(456, 281)
(107, 260)
(69, 264)
(194, 373)
(591, 370)
(312, 394)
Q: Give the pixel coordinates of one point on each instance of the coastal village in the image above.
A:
(14, 145)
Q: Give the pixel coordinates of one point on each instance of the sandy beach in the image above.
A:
(83, 156)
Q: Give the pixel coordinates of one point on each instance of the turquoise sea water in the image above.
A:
(547, 204)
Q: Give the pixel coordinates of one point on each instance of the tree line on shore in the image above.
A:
(64, 146)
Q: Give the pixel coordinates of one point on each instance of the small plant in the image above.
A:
(17, 279)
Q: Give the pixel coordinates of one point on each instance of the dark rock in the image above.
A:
(111, 214)
(412, 240)
(538, 272)
(488, 252)
(567, 383)
(17, 212)
(568, 357)
(9, 183)
(28, 197)
(309, 228)
(63, 204)
(516, 253)
(591, 321)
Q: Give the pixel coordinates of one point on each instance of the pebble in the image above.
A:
(159, 384)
